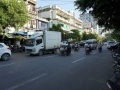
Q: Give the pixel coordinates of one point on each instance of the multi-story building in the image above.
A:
(31, 6)
(89, 23)
(36, 22)
(56, 15)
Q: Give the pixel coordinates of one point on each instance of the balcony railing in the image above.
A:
(32, 1)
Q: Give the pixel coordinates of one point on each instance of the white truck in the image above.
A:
(43, 42)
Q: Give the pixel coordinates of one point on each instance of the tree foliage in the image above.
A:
(106, 12)
(116, 35)
(76, 34)
(13, 13)
(108, 36)
(86, 36)
(58, 28)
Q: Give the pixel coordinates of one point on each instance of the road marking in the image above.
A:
(6, 65)
(49, 56)
(78, 60)
(21, 84)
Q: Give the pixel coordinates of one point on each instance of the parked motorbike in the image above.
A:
(15, 49)
(112, 85)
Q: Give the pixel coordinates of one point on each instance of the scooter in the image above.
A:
(112, 85)
(76, 48)
(99, 49)
(88, 51)
(66, 52)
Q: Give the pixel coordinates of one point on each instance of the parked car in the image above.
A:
(5, 52)
(110, 44)
(115, 46)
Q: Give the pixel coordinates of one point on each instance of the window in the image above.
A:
(39, 41)
(30, 42)
(1, 45)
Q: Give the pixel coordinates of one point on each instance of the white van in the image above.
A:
(92, 42)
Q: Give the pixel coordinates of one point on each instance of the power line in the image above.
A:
(61, 0)
(58, 4)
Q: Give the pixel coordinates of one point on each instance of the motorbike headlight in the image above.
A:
(33, 49)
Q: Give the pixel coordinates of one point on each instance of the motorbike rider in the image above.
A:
(76, 45)
(68, 48)
(88, 46)
(100, 46)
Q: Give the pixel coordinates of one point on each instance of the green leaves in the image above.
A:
(13, 13)
(57, 28)
(106, 12)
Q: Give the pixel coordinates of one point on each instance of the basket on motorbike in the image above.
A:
(63, 48)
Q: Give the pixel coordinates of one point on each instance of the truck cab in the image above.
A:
(34, 44)
(43, 42)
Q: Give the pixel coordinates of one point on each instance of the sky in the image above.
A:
(67, 5)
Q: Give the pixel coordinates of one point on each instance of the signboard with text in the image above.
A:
(87, 25)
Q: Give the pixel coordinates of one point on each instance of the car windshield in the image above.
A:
(88, 42)
(30, 42)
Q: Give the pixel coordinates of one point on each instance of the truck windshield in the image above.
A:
(30, 42)
(89, 42)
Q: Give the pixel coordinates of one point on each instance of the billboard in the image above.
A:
(87, 25)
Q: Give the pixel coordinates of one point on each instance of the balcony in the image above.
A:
(32, 1)
(32, 12)
(62, 20)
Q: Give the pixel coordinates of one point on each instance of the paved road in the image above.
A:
(56, 72)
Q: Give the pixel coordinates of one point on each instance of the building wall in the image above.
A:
(88, 19)
(57, 15)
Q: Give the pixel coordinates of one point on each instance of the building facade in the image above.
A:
(89, 24)
(56, 15)
(36, 22)
(31, 6)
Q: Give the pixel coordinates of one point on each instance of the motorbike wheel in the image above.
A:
(65, 53)
(113, 55)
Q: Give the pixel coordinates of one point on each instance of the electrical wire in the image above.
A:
(58, 4)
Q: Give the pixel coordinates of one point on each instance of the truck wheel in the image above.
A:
(40, 53)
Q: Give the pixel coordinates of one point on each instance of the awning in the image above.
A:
(21, 33)
(8, 36)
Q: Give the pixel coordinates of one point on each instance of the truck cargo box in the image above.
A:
(52, 39)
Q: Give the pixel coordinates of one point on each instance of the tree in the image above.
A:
(106, 12)
(75, 35)
(13, 13)
(84, 36)
(116, 35)
(57, 28)
(92, 36)
(108, 36)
